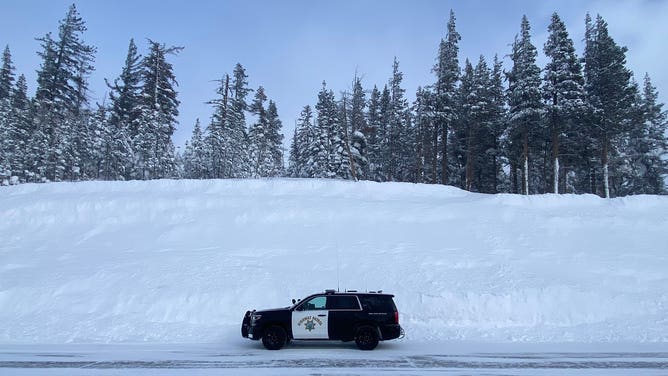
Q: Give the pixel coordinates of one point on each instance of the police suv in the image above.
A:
(365, 318)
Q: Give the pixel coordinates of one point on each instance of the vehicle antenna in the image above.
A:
(337, 270)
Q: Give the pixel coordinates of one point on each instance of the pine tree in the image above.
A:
(60, 98)
(461, 129)
(124, 115)
(194, 156)
(239, 160)
(562, 91)
(643, 151)
(655, 127)
(275, 142)
(7, 142)
(304, 136)
(447, 75)
(399, 151)
(6, 75)
(498, 128)
(20, 130)
(373, 136)
(426, 148)
(482, 111)
(609, 93)
(524, 99)
(265, 138)
(385, 115)
(105, 155)
(321, 149)
(358, 125)
(153, 144)
(217, 139)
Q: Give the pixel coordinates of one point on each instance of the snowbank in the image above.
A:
(181, 261)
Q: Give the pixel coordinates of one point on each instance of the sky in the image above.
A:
(290, 47)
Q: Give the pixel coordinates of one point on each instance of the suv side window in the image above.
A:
(343, 302)
(315, 303)
(378, 303)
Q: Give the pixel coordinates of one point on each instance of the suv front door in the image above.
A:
(310, 319)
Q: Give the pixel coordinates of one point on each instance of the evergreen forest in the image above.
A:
(579, 124)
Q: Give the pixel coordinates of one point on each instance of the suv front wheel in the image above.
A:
(274, 338)
(366, 338)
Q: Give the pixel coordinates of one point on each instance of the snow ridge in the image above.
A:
(181, 261)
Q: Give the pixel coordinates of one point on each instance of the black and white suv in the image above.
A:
(365, 318)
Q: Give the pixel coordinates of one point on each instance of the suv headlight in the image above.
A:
(255, 317)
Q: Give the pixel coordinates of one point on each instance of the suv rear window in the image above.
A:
(343, 302)
(380, 303)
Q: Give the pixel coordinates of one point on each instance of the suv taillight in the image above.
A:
(396, 317)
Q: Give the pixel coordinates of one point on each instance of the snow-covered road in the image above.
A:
(396, 358)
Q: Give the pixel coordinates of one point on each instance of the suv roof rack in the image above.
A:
(330, 291)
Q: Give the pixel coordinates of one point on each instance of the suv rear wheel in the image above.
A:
(274, 338)
(366, 338)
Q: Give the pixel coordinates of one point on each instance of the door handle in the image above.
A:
(322, 315)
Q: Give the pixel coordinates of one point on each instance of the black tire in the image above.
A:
(274, 338)
(366, 338)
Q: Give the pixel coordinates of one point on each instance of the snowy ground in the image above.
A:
(179, 262)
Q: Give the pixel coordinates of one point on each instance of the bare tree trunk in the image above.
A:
(525, 161)
(555, 160)
(444, 157)
(434, 156)
(470, 155)
(604, 162)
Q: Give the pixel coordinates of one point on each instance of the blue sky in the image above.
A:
(290, 47)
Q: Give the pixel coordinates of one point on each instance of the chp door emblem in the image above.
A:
(309, 323)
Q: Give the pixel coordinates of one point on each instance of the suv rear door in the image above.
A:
(344, 313)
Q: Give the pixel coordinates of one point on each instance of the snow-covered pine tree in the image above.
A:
(7, 147)
(358, 125)
(239, 160)
(643, 151)
(655, 122)
(563, 94)
(103, 156)
(524, 100)
(498, 128)
(320, 153)
(304, 135)
(194, 155)
(153, 144)
(342, 163)
(426, 136)
(124, 114)
(217, 138)
(275, 137)
(6, 75)
(60, 96)
(461, 128)
(383, 132)
(19, 121)
(482, 112)
(372, 135)
(265, 138)
(447, 74)
(399, 148)
(609, 93)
